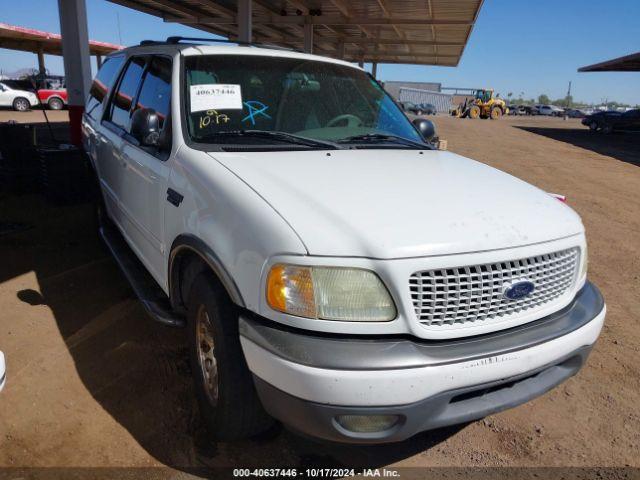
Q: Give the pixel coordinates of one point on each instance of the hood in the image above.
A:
(400, 203)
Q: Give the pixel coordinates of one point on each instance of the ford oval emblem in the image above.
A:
(518, 290)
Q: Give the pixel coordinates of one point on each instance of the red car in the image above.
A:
(55, 99)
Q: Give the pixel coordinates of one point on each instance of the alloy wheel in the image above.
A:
(206, 354)
(21, 105)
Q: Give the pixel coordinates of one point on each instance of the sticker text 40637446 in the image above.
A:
(215, 96)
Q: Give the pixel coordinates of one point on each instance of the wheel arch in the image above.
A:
(20, 97)
(189, 256)
(51, 97)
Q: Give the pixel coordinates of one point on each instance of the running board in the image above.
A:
(153, 299)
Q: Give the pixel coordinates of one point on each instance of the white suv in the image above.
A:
(332, 268)
(19, 100)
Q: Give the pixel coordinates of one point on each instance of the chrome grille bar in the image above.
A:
(474, 293)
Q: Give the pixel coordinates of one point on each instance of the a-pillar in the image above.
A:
(77, 62)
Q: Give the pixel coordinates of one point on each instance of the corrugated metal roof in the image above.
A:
(30, 40)
(427, 32)
(628, 63)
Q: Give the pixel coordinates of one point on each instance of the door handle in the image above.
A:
(174, 198)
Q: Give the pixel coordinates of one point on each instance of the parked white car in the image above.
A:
(550, 110)
(332, 268)
(3, 375)
(19, 100)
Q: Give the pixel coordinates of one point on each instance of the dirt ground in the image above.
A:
(92, 381)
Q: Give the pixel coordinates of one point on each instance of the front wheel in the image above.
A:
(496, 113)
(474, 112)
(21, 104)
(223, 384)
(593, 126)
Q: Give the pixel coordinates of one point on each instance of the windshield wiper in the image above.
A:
(282, 136)
(382, 137)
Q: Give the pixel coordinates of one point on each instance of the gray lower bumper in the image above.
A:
(448, 408)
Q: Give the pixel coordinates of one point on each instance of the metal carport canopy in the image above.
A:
(424, 32)
(628, 63)
(30, 40)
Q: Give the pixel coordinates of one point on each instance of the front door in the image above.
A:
(144, 186)
(116, 123)
(630, 120)
(6, 98)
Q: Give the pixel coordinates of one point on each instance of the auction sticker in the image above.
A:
(215, 96)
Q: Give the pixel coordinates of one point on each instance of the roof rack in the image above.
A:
(176, 40)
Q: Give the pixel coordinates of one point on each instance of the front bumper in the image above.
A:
(308, 380)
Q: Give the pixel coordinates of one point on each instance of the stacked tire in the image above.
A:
(19, 164)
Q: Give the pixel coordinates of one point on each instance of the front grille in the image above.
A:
(455, 296)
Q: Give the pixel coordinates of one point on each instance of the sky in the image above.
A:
(527, 47)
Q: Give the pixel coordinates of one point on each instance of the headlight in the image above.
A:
(329, 293)
(584, 263)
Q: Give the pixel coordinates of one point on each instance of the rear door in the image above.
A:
(93, 137)
(143, 190)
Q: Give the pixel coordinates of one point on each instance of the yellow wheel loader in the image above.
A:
(482, 105)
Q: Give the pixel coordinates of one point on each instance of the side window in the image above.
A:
(156, 88)
(101, 85)
(122, 100)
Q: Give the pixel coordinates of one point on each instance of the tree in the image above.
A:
(544, 99)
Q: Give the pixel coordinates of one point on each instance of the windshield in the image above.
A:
(226, 95)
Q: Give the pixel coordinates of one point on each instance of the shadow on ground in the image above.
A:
(136, 369)
(622, 146)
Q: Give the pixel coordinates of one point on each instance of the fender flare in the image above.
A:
(208, 256)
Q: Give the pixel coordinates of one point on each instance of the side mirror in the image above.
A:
(145, 127)
(426, 128)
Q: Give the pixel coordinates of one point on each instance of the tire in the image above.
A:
(21, 104)
(55, 103)
(229, 404)
(474, 112)
(593, 126)
(419, 112)
(496, 113)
